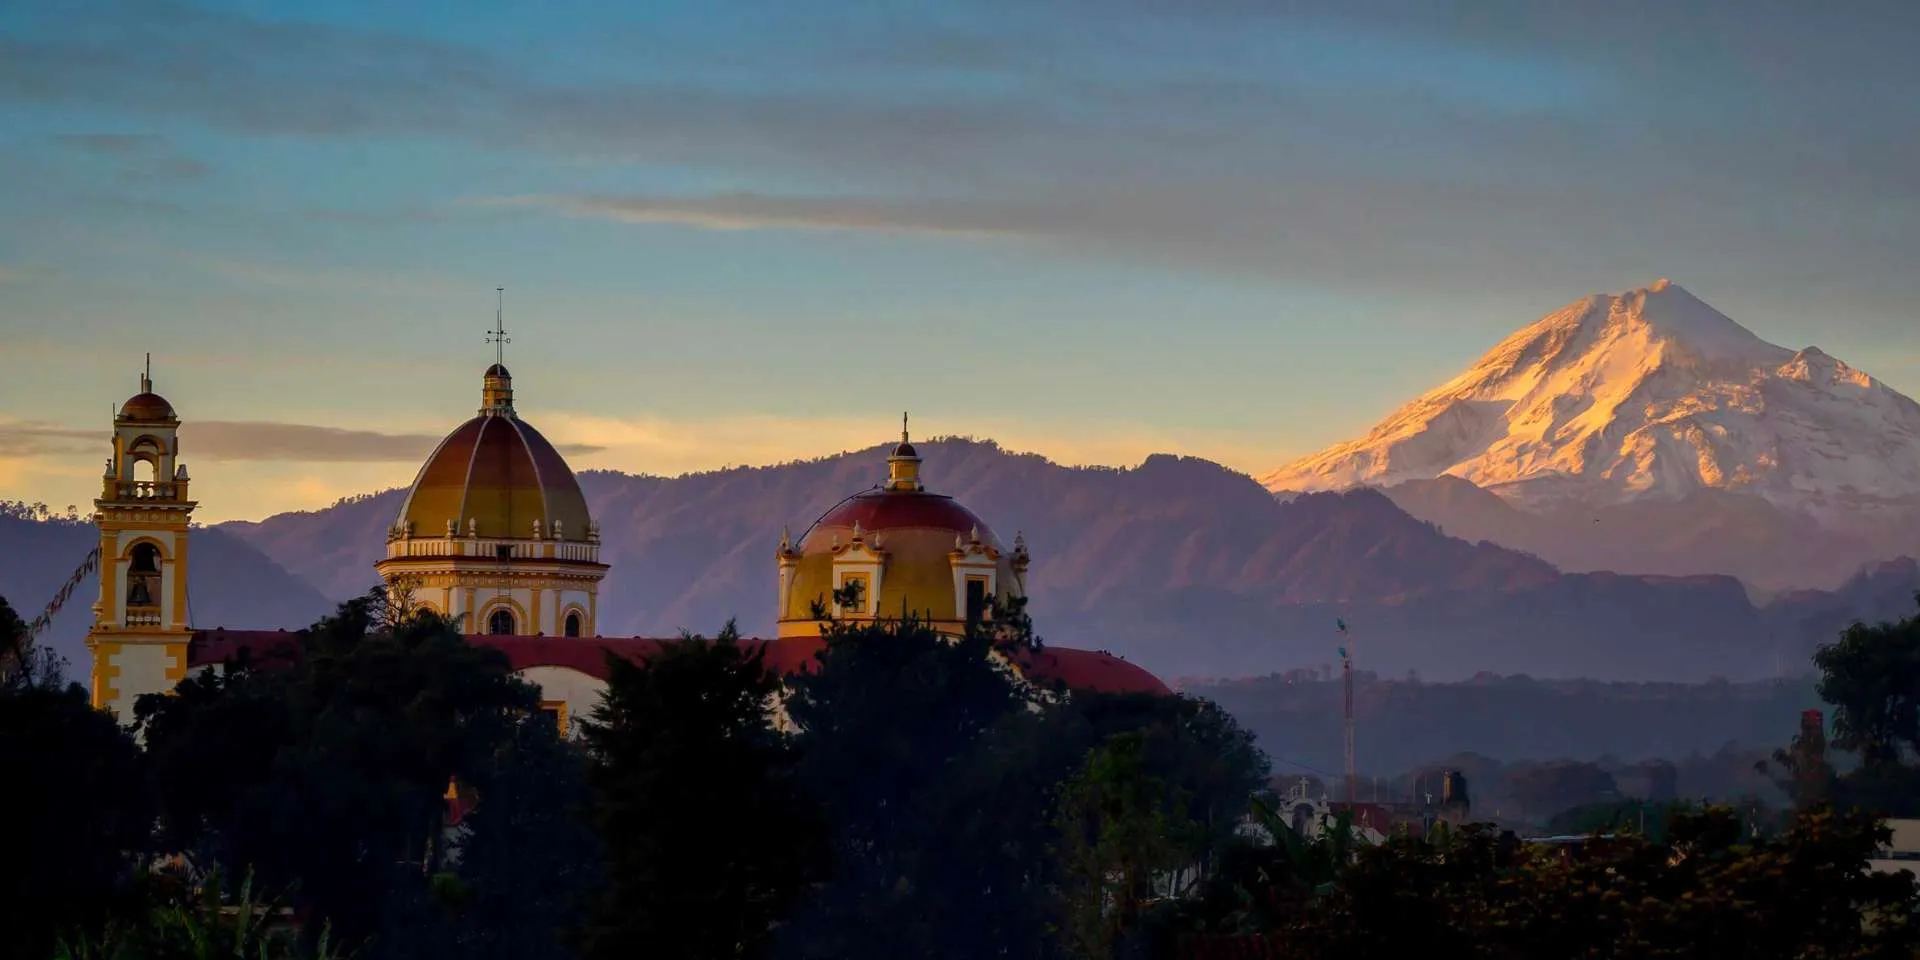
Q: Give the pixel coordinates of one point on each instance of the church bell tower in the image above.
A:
(140, 623)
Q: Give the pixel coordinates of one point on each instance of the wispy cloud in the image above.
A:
(21, 273)
(112, 144)
(234, 440)
(241, 440)
(318, 276)
(141, 158)
(33, 438)
(250, 470)
(1383, 144)
(755, 211)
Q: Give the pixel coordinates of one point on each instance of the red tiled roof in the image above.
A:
(1091, 670)
(1079, 669)
(266, 647)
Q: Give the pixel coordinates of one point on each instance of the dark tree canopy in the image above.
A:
(706, 837)
(77, 816)
(327, 775)
(1871, 675)
(1711, 891)
(527, 856)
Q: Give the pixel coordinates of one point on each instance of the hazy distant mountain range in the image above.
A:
(1186, 567)
(1179, 564)
(1647, 432)
(230, 583)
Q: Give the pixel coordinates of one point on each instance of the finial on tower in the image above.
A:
(498, 335)
(903, 427)
(146, 376)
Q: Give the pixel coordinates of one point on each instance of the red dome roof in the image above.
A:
(147, 406)
(878, 510)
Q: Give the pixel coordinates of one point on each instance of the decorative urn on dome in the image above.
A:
(907, 552)
(495, 533)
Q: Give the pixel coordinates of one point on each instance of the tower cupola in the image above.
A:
(903, 464)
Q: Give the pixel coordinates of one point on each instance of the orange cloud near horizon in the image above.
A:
(294, 467)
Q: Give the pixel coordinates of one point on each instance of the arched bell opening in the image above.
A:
(143, 585)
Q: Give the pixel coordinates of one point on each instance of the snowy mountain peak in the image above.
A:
(1650, 392)
(1663, 318)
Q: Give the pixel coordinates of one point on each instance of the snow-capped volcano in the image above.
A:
(1648, 394)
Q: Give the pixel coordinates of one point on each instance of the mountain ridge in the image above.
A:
(231, 583)
(1651, 393)
(1184, 566)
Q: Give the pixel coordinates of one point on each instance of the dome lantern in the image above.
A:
(496, 392)
(903, 464)
(496, 385)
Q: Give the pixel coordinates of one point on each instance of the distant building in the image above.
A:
(496, 536)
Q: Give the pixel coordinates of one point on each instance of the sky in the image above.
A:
(750, 232)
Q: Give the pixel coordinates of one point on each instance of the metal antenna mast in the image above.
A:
(498, 335)
(1346, 671)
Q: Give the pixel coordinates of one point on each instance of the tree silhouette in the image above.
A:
(706, 838)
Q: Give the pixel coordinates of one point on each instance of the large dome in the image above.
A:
(921, 554)
(918, 532)
(494, 476)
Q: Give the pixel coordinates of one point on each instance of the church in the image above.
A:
(496, 536)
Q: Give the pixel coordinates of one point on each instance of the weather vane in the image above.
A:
(498, 335)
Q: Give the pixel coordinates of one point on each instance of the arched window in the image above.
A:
(143, 575)
(500, 623)
(572, 626)
(977, 602)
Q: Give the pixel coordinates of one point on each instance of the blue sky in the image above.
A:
(748, 232)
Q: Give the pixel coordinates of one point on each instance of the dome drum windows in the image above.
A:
(979, 598)
(976, 576)
(858, 564)
(857, 589)
(501, 622)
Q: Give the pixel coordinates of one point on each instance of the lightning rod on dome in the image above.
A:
(498, 335)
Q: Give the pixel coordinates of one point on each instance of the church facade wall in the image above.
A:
(571, 695)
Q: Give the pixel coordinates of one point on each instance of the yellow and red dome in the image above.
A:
(914, 554)
(495, 476)
(917, 533)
